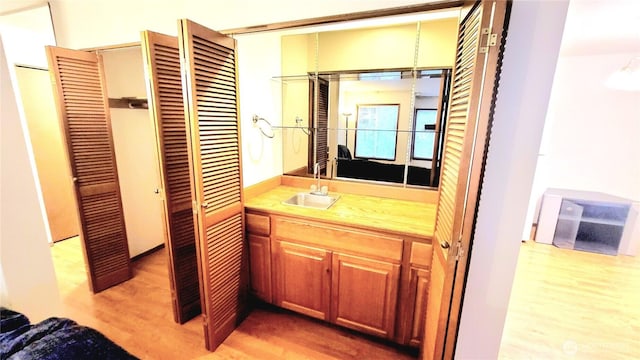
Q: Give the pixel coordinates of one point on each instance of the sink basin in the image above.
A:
(322, 202)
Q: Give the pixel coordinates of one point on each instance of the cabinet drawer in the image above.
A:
(421, 254)
(258, 224)
(334, 237)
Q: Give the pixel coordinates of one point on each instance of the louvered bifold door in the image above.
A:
(471, 96)
(319, 121)
(166, 105)
(322, 132)
(80, 94)
(211, 103)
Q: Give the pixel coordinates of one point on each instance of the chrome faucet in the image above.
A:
(317, 190)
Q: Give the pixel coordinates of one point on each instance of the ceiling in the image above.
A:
(595, 27)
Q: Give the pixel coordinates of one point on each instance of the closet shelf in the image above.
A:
(128, 103)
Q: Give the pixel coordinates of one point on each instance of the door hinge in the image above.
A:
(492, 40)
(459, 250)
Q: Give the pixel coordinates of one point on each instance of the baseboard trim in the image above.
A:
(148, 252)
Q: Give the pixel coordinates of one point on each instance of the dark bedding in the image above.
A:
(53, 338)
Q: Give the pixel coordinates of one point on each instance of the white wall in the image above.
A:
(134, 141)
(588, 141)
(24, 229)
(82, 24)
(27, 272)
(25, 34)
(259, 95)
(588, 137)
(530, 57)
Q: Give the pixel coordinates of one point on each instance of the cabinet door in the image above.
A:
(302, 277)
(364, 294)
(260, 266)
(419, 288)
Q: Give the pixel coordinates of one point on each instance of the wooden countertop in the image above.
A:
(367, 212)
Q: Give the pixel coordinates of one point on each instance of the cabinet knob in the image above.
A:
(444, 245)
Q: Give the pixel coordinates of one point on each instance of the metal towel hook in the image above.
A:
(298, 122)
(269, 132)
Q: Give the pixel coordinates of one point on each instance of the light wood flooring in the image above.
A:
(568, 304)
(137, 315)
(565, 304)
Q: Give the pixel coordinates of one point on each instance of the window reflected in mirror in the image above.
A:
(424, 134)
(377, 132)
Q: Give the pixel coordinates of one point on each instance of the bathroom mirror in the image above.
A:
(351, 72)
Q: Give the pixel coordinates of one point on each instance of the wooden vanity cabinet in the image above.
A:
(364, 280)
(258, 231)
(346, 276)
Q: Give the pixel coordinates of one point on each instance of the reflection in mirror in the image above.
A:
(374, 112)
(384, 142)
(297, 85)
(337, 84)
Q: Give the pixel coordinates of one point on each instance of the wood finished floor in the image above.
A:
(137, 315)
(564, 305)
(568, 304)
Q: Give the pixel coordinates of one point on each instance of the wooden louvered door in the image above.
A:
(472, 95)
(80, 94)
(441, 117)
(319, 138)
(166, 105)
(211, 103)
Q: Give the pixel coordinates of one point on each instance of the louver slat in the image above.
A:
(457, 128)
(167, 109)
(212, 109)
(80, 93)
